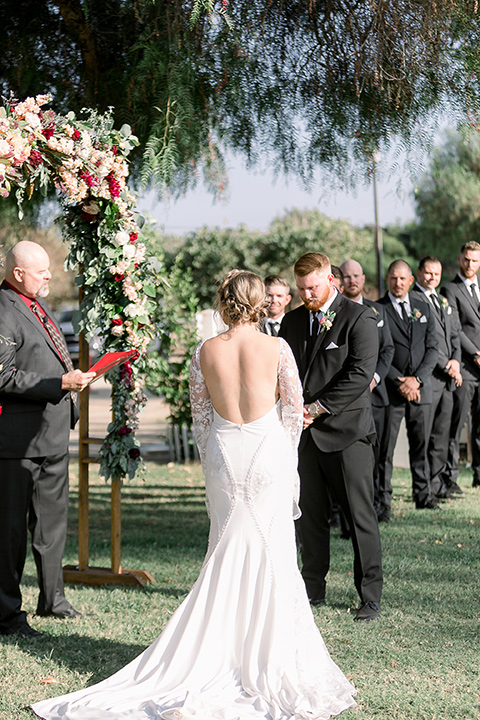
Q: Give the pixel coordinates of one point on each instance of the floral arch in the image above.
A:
(86, 160)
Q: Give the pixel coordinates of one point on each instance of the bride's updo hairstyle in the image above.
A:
(241, 298)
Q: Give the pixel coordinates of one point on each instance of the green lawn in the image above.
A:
(420, 661)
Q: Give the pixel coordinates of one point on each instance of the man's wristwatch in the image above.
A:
(419, 381)
(314, 410)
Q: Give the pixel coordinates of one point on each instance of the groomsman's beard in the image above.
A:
(313, 304)
(43, 292)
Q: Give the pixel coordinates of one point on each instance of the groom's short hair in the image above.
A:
(310, 262)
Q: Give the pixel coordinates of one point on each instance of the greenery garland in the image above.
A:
(86, 159)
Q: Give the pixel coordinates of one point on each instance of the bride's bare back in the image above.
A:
(240, 370)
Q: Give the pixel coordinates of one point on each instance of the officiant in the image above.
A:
(335, 344)
(38, 406)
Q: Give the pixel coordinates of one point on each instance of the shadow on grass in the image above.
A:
(99, 657)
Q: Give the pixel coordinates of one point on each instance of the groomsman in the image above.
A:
(278, 295)
(354, 283)
(408, 384)
(446, 376)
(335, 344)
(463, 295)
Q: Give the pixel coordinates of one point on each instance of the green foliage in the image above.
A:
(307, 83)
(168, 363)
(448, 199)
(210, 252)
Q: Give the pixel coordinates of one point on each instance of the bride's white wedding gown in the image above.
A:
(243, 645)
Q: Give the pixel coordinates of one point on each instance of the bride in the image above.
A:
(243, 645)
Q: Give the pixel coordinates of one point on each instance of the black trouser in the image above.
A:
(416, 420)
(349, 473)
(465, 398)
(33, 490)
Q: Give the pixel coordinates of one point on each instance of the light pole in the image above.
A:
(378, 229)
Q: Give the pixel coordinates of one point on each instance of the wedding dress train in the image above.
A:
(243, 645)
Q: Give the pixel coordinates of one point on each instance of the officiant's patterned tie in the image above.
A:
(57, 340)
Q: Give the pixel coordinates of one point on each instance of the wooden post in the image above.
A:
(116, 531)
(83, 458)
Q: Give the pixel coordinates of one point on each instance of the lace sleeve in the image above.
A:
(202, 410)
(291, 394)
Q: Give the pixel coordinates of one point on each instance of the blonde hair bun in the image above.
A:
(241, 298)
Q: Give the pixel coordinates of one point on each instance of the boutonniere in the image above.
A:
(374, 309)
(326, 322)
(443, 301)
(415, 315)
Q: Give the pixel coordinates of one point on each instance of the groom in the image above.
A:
(335, 344)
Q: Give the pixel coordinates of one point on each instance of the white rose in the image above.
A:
(129, 251)
(132, 310)
(32, 119)
(121, 238)
(117, 330)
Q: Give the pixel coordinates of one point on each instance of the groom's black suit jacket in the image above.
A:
(36, 413)
(338, 373)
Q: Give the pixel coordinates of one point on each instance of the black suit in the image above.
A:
(415, 355)
(336, 452)
(468, 395)
(34, 432)
(379, 396)
(443, 386)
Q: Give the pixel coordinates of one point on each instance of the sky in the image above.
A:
(256, 198)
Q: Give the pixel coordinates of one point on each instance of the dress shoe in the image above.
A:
(385, 515)
(370, 610)
(69, 613)
(22, 630)
(476, 482)
(316, 601)
(455, 489)
(431, 504)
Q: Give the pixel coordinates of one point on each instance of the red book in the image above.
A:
(111, 360)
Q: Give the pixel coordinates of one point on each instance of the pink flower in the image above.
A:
(48, 132)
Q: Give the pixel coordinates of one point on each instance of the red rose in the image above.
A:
(35, 158)
(116, 321)
(48, 132)
(1, 409)
(134, 453)
(133, 237)
(124, 431)
(76, 135)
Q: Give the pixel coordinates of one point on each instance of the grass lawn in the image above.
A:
(419, 661)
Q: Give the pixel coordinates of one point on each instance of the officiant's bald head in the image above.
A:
(27, 269)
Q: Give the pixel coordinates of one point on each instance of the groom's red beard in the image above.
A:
(313, 304)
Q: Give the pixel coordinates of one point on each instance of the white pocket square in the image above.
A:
(381, 323)
(332, 346)
(423, 319)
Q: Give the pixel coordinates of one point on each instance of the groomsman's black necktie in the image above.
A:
(436, 303)
(274, 328)
(403, 305)
(474, 292)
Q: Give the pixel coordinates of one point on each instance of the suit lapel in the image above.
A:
(469, 296)
(28, 314)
